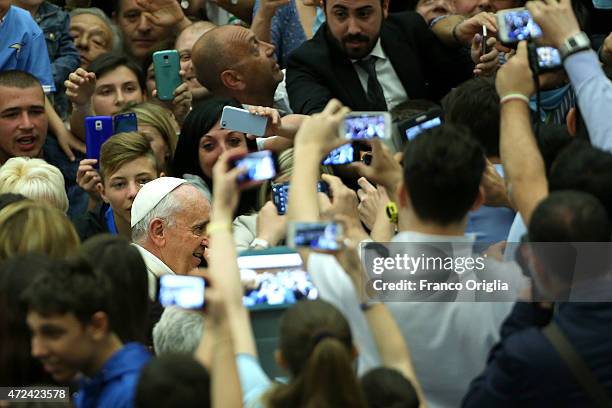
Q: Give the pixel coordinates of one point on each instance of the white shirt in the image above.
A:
(387, 77)
(155, 269)
(449, 341)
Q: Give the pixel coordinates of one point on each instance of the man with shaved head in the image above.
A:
(230, 61)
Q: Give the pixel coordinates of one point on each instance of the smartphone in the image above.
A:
(98, 129)
(167, 78)
(549, 59)
(261, 166)
(415, 125)
(242, 120)
(182, 291)
(280, 194)
(483, 44)
(274, 278)
(366, 125)
(321, 236)
(125, 122)
(342, 155)
(516, 25)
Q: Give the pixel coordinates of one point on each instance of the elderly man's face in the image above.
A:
(92, 37)
(184, 43)
(139, 34)
(355, 24)
(23, 122)
(186, 239)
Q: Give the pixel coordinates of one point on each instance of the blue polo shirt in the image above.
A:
(23, 47)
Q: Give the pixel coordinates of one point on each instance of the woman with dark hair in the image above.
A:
(202, 141)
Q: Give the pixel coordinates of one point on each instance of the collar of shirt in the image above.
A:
(377, 52)
(154, 264)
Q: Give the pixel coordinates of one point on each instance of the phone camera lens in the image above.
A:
(223, 124)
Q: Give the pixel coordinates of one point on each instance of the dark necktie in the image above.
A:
(375, 94)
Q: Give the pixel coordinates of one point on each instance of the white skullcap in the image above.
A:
(151, 194)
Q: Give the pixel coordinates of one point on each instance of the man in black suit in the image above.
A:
(372, 60)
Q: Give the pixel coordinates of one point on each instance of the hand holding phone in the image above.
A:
(241, 120)
(167, 73)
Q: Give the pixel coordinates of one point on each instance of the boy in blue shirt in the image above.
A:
(72, 331)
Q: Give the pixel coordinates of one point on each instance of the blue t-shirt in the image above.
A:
(23, 47)
(114, 386)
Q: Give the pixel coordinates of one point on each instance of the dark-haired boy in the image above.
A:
(68, 315)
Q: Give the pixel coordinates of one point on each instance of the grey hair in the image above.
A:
(165, 210)
(117, 40)
(178, 331)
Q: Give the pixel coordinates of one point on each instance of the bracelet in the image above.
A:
(218, 226)
(514, 96)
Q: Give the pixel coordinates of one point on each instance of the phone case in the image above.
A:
(98, 129)
(241, 120)
(126, 122)
(167, 79)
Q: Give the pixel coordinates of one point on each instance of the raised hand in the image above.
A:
(80, 87)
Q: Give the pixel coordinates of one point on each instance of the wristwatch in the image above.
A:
(576, 43)
(259, 243)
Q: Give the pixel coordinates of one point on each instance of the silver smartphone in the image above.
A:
(516, 25)
(241, 120)
(366, 125)
(319, 236)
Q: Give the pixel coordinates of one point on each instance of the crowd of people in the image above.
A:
(488, 158)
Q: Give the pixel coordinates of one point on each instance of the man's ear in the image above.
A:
(385, 7)
(232, 80)
(570, 121)
(157, 232)
(480, 199)
(98, 326)
(101, 190)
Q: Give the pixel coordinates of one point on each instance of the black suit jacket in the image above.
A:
(318, 70)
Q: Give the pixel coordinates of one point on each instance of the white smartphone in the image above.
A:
(241, 120)
(320, 236)
(366, 125)
(516, 25)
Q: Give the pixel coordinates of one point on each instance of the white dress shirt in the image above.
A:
(387, 77)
